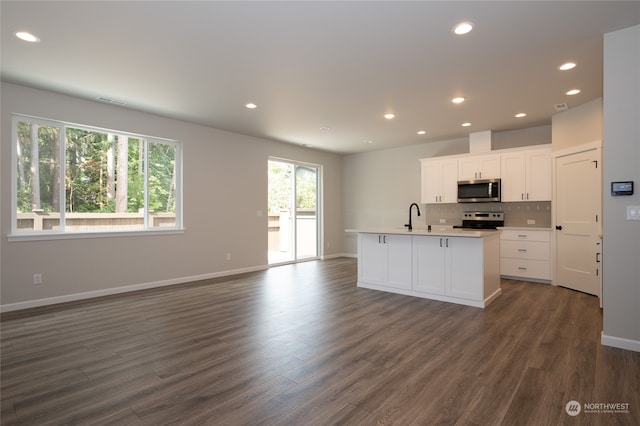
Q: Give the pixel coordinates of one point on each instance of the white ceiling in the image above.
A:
(311, 65)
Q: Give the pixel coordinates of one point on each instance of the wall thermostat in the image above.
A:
(622, 188)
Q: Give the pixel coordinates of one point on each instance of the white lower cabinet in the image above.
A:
(449, 266)
(385, 259)
(429, 260)
(526, 254)
(452, 269)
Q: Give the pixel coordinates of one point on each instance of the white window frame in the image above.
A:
(31, 235)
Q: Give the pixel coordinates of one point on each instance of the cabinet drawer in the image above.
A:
(537, 250)
(524, 235)
(525, 268)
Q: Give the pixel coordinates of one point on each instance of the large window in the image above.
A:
(70, 178)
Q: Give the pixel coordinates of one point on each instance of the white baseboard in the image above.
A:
(619, 342)
(334, 256)
(126, 289)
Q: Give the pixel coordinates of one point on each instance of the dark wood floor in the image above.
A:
(302, 345)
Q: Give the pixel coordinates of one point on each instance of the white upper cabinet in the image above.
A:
(526, 175)
(439, 181)
(479, 167)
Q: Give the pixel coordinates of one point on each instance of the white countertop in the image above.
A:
(436, 231)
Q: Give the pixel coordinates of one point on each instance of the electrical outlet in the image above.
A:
(228, 256)
(443, 221)
(531, 222)
(37, 278)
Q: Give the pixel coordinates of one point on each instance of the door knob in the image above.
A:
(559, 227)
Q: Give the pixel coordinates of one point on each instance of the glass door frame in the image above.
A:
(294, 214)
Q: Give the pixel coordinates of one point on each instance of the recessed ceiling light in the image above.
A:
(422, 132)
(573, 92)
(467, 124)
(389, 116)
(251, 105)
(520, 115)
(325, 129)
(567, 66)
(368, 141)
(458, 100)
(23, 35)
(463, 28)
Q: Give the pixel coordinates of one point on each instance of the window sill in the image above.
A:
(46, 236)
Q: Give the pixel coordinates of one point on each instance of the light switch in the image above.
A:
(633, 212)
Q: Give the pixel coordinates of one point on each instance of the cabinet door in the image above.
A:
(372, 259)
(468, 168)
(431, 177)
(513, 176)
(449, 181)
(428, 260)
(464, 264)
(538, 169)
(399, 260)
(479, 167)
(489, 167)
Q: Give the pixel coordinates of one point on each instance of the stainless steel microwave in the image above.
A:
(479, 191)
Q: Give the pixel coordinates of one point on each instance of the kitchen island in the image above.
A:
(450, 265)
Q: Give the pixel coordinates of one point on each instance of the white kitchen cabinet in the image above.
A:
(526, 175)
(525, 254)
(464, 261)
(442, 266)
(439, 181)
(385, 259)
(429, 265)
(450, 266)
(479, 167)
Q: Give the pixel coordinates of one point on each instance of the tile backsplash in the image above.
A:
(515, 214)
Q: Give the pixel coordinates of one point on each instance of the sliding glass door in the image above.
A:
(293, 211)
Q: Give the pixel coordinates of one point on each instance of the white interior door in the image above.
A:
(578, 220)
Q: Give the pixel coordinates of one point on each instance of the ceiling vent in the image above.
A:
(111, 101)
(561, 107)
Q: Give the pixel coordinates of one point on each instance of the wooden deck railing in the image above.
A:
(38, 221)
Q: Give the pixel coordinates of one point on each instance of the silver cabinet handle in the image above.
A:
(522, 268)
(522, 235)
(522, 250)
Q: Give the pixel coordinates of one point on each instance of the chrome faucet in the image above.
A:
(408, 225)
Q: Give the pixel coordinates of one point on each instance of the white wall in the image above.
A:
(225, 184)
(577, 126)
(621, 162)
